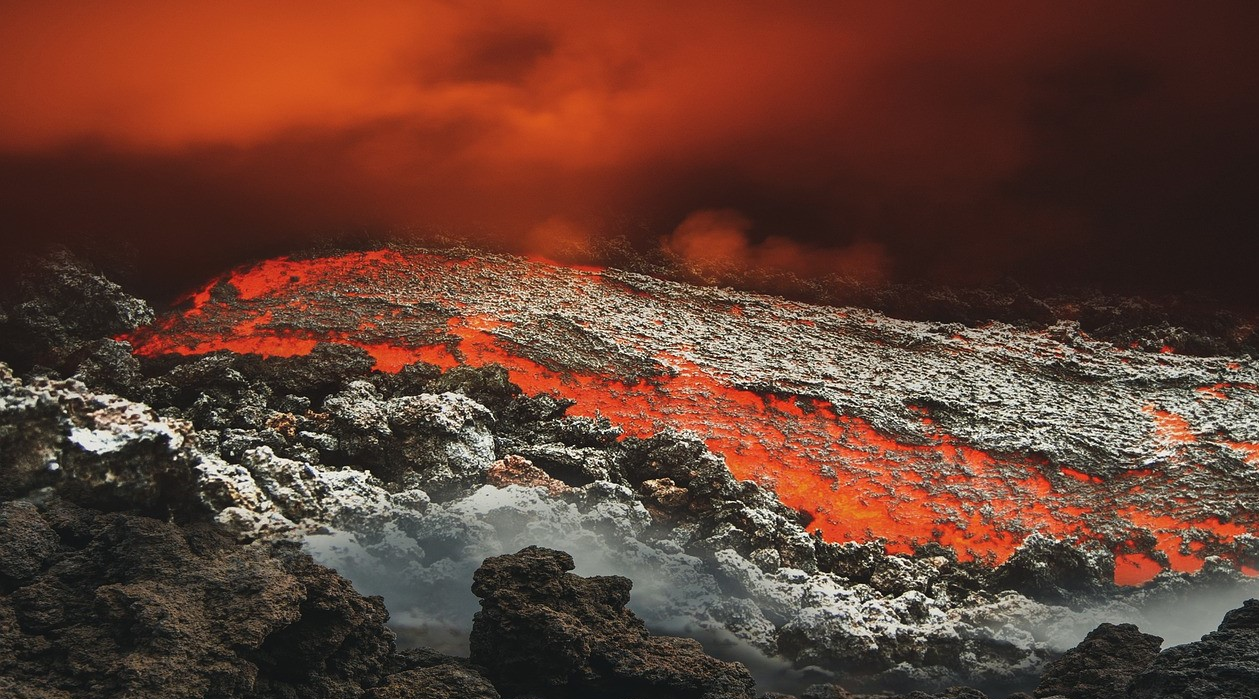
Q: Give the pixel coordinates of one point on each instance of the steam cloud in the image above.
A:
(424, 572)
(1110, 143)
(713, 240)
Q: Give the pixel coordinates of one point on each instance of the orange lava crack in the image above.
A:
(857, 483)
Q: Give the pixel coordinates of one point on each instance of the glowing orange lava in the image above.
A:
(856, 482)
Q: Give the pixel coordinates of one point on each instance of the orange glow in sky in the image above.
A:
(903, 139)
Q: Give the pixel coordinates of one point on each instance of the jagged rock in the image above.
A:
(412, 379)
(266, 493)
(574, 466)
(445, 441)
(441, 440)
(488, 385)
(61, 307)
(1102, 665)
(214, 391)
(1223, 665)
(147, 608)
(1054, 571)
(110, 366)
(569, 431)
(314, 375)
(359, 408)
(545, 631)
(97, 449)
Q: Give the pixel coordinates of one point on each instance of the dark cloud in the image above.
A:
(1077, 142)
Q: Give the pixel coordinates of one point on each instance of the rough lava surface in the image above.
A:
(406, 480)
(878, 429)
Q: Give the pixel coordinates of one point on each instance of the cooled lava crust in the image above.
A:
(876, 428)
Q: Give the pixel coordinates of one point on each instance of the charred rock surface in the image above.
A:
(1102, 665)
(103, 605)
(61, 313)
(1223, 665)
(545, 632)
(99, 450)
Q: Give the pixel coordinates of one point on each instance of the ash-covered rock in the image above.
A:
(546, 632)
(442, 441)
(97, 449)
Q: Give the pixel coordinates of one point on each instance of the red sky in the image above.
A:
(1112, 143)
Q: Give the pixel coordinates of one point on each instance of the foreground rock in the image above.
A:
(104, 605)
(1223, 665)
(546, 632)
(1102, 665)
(62, 313)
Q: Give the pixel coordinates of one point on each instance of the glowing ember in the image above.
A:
(878, 429)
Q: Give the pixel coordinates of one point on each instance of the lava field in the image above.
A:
(876, 429)
(455, 474)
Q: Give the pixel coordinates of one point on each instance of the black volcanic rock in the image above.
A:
(28, 541)
(1223, 665)
(1055, 571)
(147, 608)
(1102, 665)
(60, 308)
(546, 632)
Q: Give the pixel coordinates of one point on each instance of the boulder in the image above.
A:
(547, 632)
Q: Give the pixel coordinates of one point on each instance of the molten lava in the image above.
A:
(804, 400)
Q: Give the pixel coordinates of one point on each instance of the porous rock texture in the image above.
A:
(64, 313)
(405, 482)
(1223, 665)
(1102, 665)
(546, 632)
(105, 605)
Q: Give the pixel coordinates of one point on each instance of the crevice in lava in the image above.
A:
(858, 453)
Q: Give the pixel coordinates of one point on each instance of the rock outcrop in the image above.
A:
(1223, 665)
(1102, 665)
(545, 632)
(110, 605)
(63, 313)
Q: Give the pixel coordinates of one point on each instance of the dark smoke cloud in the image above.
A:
(1109, 143)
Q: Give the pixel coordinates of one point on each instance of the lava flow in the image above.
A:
(878, 429)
